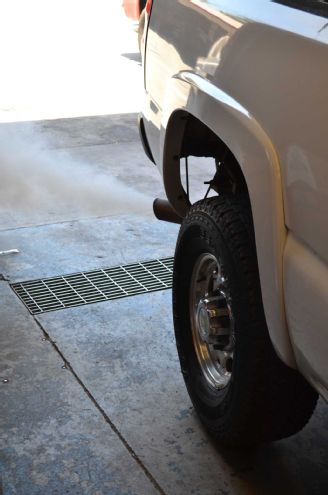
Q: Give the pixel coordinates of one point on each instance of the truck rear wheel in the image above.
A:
(241, 390)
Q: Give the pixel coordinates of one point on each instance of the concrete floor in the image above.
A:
(92, 399)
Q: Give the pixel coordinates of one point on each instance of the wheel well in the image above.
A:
(200, 141)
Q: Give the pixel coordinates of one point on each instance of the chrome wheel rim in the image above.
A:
(212, 321)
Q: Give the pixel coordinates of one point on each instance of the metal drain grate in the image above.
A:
(78, 289)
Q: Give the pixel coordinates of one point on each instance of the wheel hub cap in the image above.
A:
(212, 321)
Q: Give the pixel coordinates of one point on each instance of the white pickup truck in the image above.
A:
(246, 83)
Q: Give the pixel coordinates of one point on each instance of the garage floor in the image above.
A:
(92, 400)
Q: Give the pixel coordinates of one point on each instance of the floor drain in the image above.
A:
(78, 289)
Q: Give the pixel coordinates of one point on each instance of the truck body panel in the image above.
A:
(256, 73)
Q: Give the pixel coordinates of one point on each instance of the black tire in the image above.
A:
(264, 399)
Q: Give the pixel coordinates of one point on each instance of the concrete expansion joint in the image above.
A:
(133, 454)
(48, 224)
(59, 222)
(92, 145)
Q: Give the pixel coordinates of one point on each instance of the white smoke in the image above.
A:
(33, 176)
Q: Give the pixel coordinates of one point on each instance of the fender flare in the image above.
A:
(189, 93)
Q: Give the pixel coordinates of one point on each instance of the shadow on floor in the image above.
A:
(296, 465)
(135, 57)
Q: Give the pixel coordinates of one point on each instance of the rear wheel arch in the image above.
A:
(254, 164)
(186, 136)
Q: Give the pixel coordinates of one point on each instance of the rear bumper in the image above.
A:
(144, 139)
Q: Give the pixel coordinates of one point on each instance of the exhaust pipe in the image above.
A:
(164, 211)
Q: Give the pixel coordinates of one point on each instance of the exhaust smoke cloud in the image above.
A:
(34, 176)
